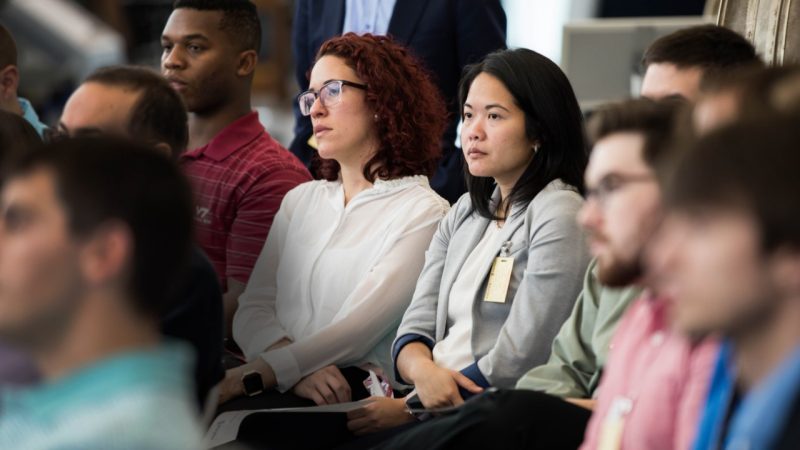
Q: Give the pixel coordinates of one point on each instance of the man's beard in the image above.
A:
(620, 273)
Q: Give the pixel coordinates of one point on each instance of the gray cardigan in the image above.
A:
(550, 259)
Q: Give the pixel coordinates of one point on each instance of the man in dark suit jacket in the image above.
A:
(445, 35)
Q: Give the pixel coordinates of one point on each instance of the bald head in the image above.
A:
(128, 101)
(96, 108)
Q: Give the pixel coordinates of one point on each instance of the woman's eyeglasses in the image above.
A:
(329, 94)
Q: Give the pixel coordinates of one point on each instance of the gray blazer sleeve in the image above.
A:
(551, 282)
(419, 320)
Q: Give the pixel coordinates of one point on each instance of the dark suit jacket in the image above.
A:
(197, 319)
(789, 438)
(445, 35)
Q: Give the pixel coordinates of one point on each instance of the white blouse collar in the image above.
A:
(379, 188)
(385, 185)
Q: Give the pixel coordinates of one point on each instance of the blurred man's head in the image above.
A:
(675, 65)
(127, 101)
(87, 227)
(624, 202)
(210, 51)
(745, 94)
(9, 74)
(729, 253)
(784, 95)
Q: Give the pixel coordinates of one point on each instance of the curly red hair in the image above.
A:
(411, 112)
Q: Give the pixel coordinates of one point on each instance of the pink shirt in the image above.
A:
(663, 375)
(239, 180)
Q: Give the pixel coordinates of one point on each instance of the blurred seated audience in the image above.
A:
(730, 254)
(653, 386)
(344, 302)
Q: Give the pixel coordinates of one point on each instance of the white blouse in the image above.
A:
(336, 279)
(454, 352)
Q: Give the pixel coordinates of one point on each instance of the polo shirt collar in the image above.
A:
(236, 135)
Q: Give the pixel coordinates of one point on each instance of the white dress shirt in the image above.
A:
(368, 16)
(336, 279)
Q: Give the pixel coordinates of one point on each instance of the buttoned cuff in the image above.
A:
(284, 366)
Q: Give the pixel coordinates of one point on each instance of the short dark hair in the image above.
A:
(755, 88)
(654, 119)
(102, 179)
(159, 114)
(17, 137)
(8, 48)
(239, 19)
(709, 47)
(751, 166)
(552, 117)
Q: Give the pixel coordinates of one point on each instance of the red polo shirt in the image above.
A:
(239, 180)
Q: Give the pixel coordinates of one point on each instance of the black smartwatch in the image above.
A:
(253, 384)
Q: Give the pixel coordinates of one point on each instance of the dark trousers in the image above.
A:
(507, 419)
(289, 431)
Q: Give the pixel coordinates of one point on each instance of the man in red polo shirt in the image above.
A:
(239, 172)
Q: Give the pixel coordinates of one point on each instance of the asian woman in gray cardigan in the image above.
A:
(524, 144)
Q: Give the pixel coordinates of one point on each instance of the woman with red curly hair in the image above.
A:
(340, 263)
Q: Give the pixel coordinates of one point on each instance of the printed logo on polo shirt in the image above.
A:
(202, 215)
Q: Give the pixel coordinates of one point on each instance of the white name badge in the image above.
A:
(499, 279)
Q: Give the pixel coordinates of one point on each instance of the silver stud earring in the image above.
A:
(375, 117)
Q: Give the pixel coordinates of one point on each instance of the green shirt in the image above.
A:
(138, 400)
(580, 349)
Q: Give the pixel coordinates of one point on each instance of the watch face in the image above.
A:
(253, 385)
